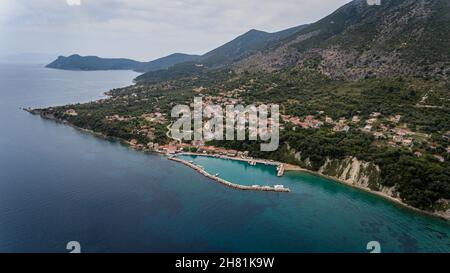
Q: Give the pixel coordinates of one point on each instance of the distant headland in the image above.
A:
(92, 63)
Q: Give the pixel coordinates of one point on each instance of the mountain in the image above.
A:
(357, 41)
(168, 61)
(252, 42)
(363, 93)
(396, 38)
(399, 37)
(77, 62)
(245, 45)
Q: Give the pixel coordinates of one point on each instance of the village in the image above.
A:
(387, 130)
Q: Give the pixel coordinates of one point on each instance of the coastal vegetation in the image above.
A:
(344, 94)
(142, 113)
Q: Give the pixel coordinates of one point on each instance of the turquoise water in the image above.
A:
(238, 172)
(329, 211)
(58, 184)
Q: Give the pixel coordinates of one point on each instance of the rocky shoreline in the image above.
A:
(290, 167)
(444, 215)
(397, 201)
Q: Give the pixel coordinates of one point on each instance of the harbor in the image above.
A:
(216, 177)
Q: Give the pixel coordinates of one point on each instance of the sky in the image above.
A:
(144, 29)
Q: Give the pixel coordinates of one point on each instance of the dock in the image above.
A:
(276, 188)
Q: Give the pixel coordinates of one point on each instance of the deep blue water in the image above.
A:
(58, 184)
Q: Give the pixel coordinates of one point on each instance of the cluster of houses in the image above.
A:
(223, 98)
(118, 118)
(393, 134)
(174, 148)
(309, 121)
(71, 112)
(156, 117)
(147, 131)
(372, 125)
(401, 136)
(151, 146)
(220, 100)
(341, 125)
(196, 146)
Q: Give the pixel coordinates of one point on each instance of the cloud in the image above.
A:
(144, 29)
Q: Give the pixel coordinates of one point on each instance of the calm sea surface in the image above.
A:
(59, 185)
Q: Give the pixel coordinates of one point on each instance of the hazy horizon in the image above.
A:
(144, 30)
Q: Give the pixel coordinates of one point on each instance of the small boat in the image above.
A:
(216, 175)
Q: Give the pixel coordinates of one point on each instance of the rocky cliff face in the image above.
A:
(361, 174)
(351, 171)
(399, 37)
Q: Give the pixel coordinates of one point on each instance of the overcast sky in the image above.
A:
(144, 29)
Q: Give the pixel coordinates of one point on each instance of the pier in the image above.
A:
(276, 188)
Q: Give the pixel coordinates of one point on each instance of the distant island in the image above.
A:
(363, 95)
(91, 63)
(243, 46)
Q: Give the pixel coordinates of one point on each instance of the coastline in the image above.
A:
(294, 168)
(291, 167)
(395, 201)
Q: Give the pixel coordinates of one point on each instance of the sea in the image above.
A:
(59, 185)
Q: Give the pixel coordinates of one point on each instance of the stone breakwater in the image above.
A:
(227, 183)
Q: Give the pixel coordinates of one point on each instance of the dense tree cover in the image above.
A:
(421, 182)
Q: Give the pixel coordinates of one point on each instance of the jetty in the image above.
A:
(276, 188)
